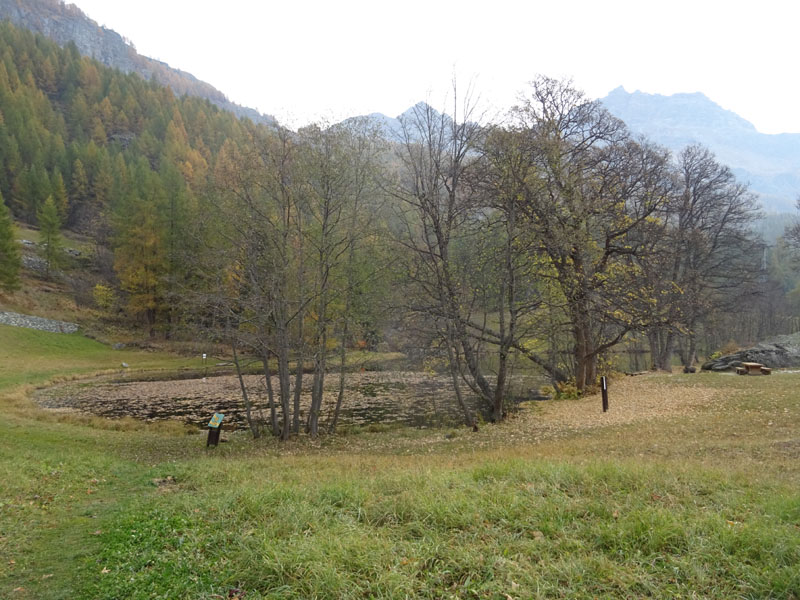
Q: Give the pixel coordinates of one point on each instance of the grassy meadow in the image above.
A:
(688, 488)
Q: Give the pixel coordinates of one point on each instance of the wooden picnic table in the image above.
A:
(751, 368)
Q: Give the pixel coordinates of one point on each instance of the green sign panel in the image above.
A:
(216, 420)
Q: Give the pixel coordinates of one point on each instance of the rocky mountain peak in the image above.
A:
(769, 163)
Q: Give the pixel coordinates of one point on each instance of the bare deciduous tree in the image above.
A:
(706, 258)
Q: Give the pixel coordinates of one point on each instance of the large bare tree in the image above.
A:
(434, 152)
(587, 191)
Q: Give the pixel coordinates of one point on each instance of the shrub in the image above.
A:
(103, 296)
(567, 390)
(729, 348)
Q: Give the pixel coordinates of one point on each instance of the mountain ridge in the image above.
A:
(392, 127)
(770, 163)
(65, 23)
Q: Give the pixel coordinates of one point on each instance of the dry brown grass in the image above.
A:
(715, 421)
(747, 424)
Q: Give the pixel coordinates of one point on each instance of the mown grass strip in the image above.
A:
(523, 528)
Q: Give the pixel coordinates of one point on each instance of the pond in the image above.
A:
(388, 397)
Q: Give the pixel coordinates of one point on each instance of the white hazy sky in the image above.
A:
(305, 60)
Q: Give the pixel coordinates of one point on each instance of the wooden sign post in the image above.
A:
(214, 429)
(604, 389)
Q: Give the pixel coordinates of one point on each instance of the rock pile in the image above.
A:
(781, 352)
(30, 322)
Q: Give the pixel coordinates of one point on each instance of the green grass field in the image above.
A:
(29, 357)
(702, 503)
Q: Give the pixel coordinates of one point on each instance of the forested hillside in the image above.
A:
(66, 23)
(120, 159)
(80, 132)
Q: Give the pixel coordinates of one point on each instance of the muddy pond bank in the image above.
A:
(405, 398)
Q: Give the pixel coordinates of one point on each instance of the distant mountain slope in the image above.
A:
(391, 127)
(65, 23)
(770, 163)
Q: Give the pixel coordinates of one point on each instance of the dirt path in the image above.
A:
(631, 400)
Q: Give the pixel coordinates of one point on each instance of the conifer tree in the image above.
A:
(9, 253)
(34, 189)
(141, 261)
(60, 195)
(50, 234)
(103, 182)
(79, 190)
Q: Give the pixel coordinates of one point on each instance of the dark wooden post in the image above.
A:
(604, 386)
(213, 436)
(214, 429)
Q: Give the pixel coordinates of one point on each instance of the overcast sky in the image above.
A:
(303, 61)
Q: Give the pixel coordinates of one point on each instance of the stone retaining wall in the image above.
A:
(30, 322)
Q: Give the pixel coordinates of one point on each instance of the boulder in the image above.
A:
(780, 352)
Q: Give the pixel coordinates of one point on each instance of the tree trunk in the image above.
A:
(498, 404)
(151, 321)
(454, 374)
(317, 386)
(251, 423)
(581, 356)
(298, 389)
(301, 348)
(284, 385)
(506, 337)
(688, 346)
(591, 370)
(662, 345)
(273, 414)
(342, 362)
(691, 357)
